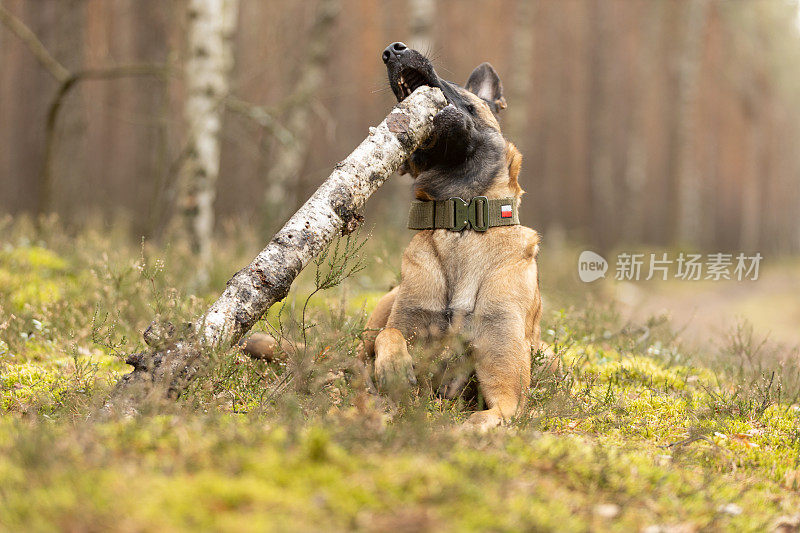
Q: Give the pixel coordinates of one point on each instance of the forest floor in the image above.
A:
(771, 304)
(639, 430)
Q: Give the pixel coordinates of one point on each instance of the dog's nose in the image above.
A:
(394, 49)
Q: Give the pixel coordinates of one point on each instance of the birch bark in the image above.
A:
(207, 69)
(331, 210)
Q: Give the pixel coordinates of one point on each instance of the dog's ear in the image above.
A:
(514, 161)
(485, 83)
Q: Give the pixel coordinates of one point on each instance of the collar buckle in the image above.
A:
(480, 213)
(474, 214)
(460, 214)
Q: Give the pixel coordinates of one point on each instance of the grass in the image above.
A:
(632, 432)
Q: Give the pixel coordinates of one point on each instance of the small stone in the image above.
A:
(686, 527)
(607, 510)
(663, 459)
(372, 130)
(786, 524)
(731, 509)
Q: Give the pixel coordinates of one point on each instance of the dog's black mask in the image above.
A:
(466, 148)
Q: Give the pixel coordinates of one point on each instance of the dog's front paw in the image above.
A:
(483, 421)
(394, 371)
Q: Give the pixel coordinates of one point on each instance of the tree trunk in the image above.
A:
(521, 86)
(422, 14)
(207, 68)
(752, 176)
(634, 216)
(600, 170)
(688, 211)
(289, 157)
(67, 159)
(332, 210)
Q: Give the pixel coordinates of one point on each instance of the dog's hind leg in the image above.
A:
(503, 366)
(506, 326)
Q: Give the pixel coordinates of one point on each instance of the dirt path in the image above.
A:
(706, 310)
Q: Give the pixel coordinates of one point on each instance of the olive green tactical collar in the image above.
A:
(456, 214)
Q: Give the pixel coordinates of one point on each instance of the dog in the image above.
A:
(459, 276)
(470, 271)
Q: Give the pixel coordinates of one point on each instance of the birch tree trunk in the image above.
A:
(207, 69)
(290, 157)
(331, 210)
(421, 14)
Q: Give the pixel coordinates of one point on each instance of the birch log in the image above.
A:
(332, 210)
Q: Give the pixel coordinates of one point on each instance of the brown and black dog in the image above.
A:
(481, 286)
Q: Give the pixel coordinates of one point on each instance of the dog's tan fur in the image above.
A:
(488, 282)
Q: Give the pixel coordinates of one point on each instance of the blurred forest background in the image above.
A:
(641, 121)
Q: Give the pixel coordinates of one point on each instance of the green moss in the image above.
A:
(666, 439)
(33, 257)
(229, 475)
(32, 276)
(48, 385)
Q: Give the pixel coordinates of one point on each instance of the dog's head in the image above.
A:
(466, 154)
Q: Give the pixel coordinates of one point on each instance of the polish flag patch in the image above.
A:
(505, 211)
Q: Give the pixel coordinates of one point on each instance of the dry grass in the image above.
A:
(634, 430)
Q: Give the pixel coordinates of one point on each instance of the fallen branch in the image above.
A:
(177, 356)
